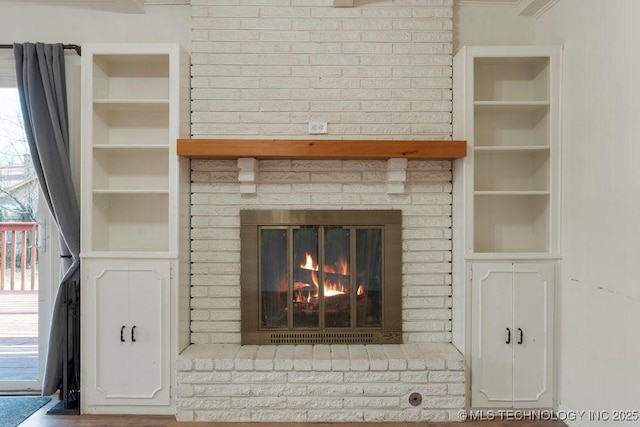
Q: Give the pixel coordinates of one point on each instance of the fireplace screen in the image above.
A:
(320, 277)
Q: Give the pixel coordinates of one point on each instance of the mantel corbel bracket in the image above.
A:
(396, 175)
(247, 175)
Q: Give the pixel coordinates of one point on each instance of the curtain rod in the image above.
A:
(75, 47)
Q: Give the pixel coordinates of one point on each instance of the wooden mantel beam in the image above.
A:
(297, 149)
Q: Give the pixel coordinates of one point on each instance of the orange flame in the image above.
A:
(310, 263)
(342, 267)
(333, 289)
(360, 291)
(330, 289)
(304, 296)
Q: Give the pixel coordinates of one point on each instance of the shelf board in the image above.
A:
(531, 255)
(510, 106)
(129, 191)
(511, 193)
(132, 104)
(511, 148)
(321, 149)
(130, 147)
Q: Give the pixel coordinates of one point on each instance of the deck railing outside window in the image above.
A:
(18, 256)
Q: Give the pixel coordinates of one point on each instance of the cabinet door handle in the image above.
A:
(122, 334)
(521, 340)
(133, 330)
(508, 336)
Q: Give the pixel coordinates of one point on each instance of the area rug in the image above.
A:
(14, 410)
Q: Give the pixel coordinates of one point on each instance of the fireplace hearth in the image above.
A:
(320, 276)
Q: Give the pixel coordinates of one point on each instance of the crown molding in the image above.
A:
(501, 3)
(121, 6)
(166, 2)
(535, 8)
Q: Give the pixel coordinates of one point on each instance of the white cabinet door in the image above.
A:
(148, 322)
(512, 335)
(533, 344)
(112, 311)
(492, 337)
(129, 348)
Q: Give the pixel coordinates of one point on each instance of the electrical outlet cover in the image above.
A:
(318, 128)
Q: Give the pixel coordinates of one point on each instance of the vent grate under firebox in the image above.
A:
(322, 338)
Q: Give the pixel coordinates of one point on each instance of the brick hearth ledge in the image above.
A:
(320, 383)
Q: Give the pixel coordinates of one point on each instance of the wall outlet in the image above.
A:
(318, 128)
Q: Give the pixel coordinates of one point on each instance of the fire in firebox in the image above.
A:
(324, 280)
(323, 286)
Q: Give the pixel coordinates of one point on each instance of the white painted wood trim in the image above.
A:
(502, 3)
(535, 8)
(166, 2)
(123, 6)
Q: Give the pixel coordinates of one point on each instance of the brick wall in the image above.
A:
(426, 233)
(379, 70)
(266, 68)
(321, 383)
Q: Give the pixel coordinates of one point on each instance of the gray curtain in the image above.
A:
(43, 97)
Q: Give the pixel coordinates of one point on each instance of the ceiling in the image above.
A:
(526, 7)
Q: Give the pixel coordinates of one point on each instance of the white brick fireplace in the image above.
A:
(215, 247)
(221, 381)
(379, 70)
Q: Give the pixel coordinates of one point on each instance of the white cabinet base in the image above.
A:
(512, 336)
(126, 334)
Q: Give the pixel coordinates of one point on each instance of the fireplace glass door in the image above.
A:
(318, 282)
(319, 277)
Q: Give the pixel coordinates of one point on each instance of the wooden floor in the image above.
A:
(41, 419)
